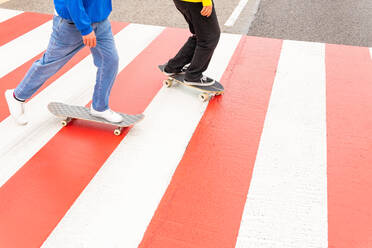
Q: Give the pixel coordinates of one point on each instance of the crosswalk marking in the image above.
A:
(349, 138)
(64, 161)
(24, 48)
(208, 190)
(163, 135)
(6, 14)
(44, 169)
(43, 126)
(287, 199)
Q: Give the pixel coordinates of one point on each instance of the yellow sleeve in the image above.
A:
(207, 2)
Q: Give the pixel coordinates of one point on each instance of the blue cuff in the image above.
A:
(86, 31)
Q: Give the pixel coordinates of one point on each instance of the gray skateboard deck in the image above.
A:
(70, 112)
(207, 91)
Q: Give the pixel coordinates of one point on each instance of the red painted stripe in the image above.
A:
(204, 202)
(349, 127)
(36, 198)
(12, 79)
(21, 24)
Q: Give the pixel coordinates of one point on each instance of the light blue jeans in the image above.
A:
(64, 43)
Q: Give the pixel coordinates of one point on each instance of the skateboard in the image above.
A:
(70, 112)
(207, 92)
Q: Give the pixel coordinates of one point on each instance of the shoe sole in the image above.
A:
(97, 116)
(105, 118)
(197, 84)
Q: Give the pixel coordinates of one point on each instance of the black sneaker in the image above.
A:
(171, 73)
(204, 81)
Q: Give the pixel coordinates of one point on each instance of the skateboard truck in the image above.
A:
(206, 95)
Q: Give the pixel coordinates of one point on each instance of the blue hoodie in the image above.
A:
(83, 12)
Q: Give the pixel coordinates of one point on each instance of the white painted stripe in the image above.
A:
(24, 48)
(287, 200)
(236, 13)
(370, 52)
(117, 206)
(19, 143)
(3, 1)
(6, 14)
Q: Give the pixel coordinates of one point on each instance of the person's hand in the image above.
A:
(207, 11)
(90, 40)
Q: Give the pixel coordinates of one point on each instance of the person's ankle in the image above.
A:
(17, 98)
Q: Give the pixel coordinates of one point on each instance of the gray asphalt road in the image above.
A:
(331, 21)
(154, 12)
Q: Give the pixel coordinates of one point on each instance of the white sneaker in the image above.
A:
(16, 108)
(108, 115)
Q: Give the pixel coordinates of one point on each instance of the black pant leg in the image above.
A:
(207, 33)
(185, 55)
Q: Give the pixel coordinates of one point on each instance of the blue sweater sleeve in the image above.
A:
(79, 16)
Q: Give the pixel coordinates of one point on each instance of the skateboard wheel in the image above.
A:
(66, 121)
(168, 83)
(117, 131)
(204, 97)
